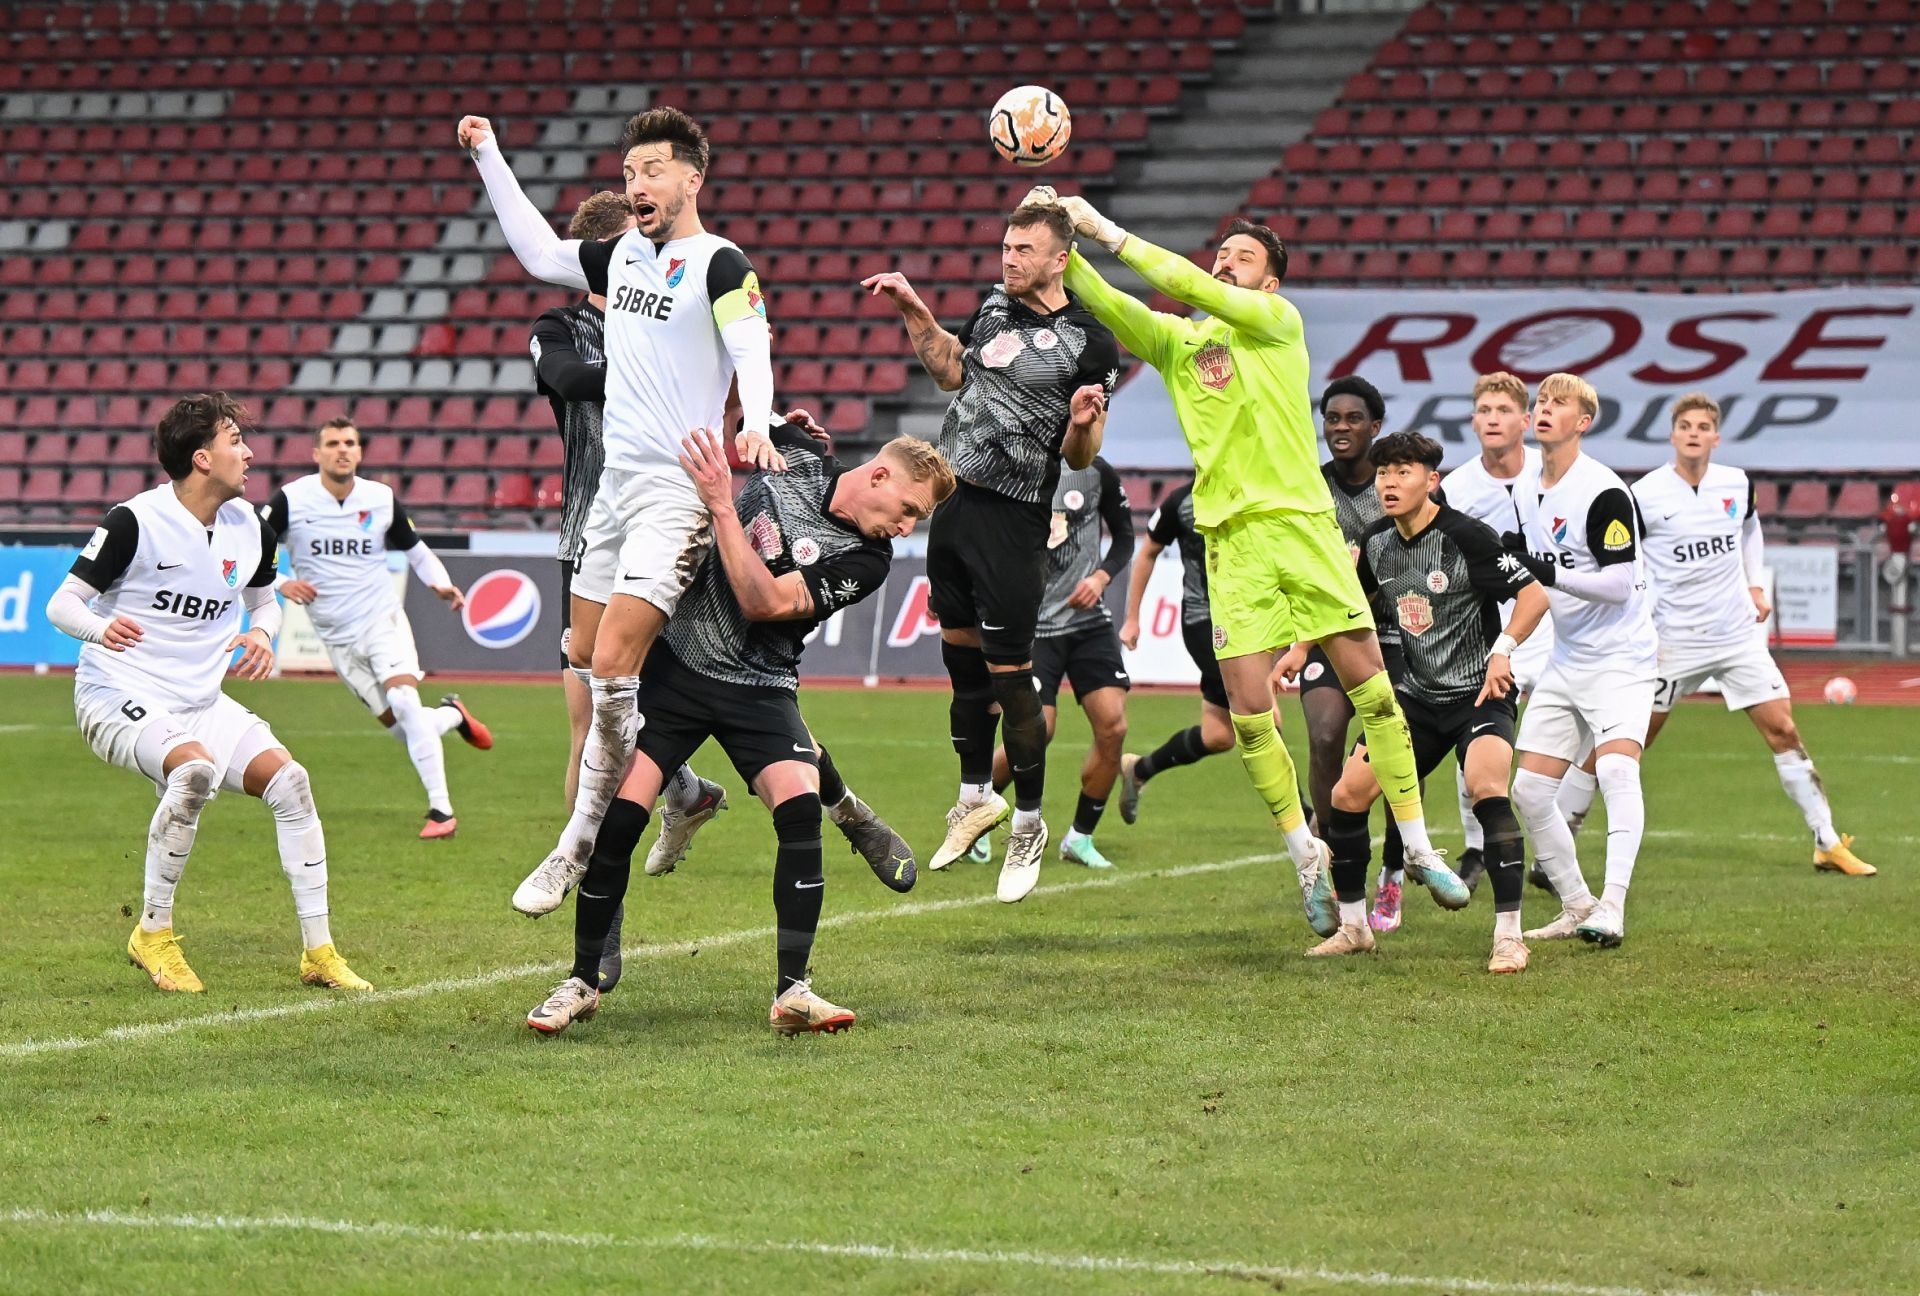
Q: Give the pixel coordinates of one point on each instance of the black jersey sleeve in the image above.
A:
(845, 579)
(1118, 517)
(1612, 528)
(1163, 528)
(595, 259)
(728, 271)
(557, 362)
(1100, 360)
(277, 515)
(400, 533)
(1491, 570)
(788, 438)
(269, 567)
(109, 552)
(965, 331)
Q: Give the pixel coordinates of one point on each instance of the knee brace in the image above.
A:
(796, 821)
(967, 668)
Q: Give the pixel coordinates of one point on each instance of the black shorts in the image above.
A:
(1318, 673)
(1090, 659)
(1198, 636)
(987, 568)
(1453, 726)
(680, 709)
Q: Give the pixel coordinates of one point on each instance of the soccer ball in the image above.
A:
(1030, 126)
(1840, 691)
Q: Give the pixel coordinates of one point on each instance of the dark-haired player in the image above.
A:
(792, 550)
(684, 319)
(156, 597)
(339, 528)
(1445, 575)
(1032, 370)
(1352, 412)
(1278, 570)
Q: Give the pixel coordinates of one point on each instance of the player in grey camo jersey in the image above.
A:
(1075, 641)
(1445, 576)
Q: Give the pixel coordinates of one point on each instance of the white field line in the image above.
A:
(479, 980)
(1375, 1280)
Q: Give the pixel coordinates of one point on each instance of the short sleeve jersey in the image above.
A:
(1479, 494)
(580, 328)
(787, 520)
(1584, 522)
(1172, 524)
(1020, 369)
(668, 371)
(1083, 498)
(1695, 566)
(1444, 587)
(159, 565)
(340, 547)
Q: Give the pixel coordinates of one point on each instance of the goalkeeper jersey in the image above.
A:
(1238, 381)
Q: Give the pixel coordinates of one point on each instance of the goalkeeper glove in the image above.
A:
(1040, 196)
(1089, 223)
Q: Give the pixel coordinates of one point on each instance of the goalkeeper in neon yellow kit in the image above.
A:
(1278, 570)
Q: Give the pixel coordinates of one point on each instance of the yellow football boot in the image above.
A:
(325, 967)
(1841, 859)
(158, 955)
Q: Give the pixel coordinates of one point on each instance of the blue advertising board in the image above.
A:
(29, 574)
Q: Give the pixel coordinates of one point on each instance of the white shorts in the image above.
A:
(125, 729)
(1529, 660)
(646, 534)
(383, 650)
(1746, 674)
(1575, 709)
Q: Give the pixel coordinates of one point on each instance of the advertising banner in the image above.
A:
(28, 577)
(1806, 594)
(1806, 380)
(511, 622)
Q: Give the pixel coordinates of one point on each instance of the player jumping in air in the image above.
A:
(795, 548)
(157, 597)
(685, 316)
(1579, 536)
(338, 528)
(1032, 370)
(1278, 570)
(1705, 557)
(1446, 577)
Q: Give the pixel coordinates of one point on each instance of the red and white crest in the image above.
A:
(764, 535)
(1437, 582)
(999, 353)
(1215, 365)
(1415, 613)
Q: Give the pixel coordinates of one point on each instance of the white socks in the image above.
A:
(603, 761)
(1469, 823)
(682, 791)
(1553, 848)
(1300, 847)
(1026, 820)
(421, 731)
(973, 794)
(1353, 913)
(1802, 783)
(1619, 780)
(170, 839)
(1413, 835)
(1576, 796)
(1507, 924)
(303, 849)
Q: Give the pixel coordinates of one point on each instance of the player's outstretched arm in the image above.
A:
(762, 595)
(1265, 315)
(544, 254)
(1147, 333)
(939, 350)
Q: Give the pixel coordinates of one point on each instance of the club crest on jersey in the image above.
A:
(230, 571)
(1415, 613)
(1215, 365)
(676, 271)
(366, 519)
(1437, 582)
(1559, 530)
(1074, 500)
(1732, 507)
(806, 551)
(999, 353)
(764, 535)
(1045, 340)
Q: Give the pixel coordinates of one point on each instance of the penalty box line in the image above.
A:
(548, 1240)
(144, 1031)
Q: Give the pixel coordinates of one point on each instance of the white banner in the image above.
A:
(1806, 594)
(1806, 380)
(1162, 657)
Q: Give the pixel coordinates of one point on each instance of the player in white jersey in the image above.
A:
(1579, 536)
(338, 528)
(157, 598)
(685, 318)
(1705, 560)
(1484, 488)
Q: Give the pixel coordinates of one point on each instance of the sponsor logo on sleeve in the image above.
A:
(1617, 537)
(94, 543)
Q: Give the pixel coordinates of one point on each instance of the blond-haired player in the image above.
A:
(1579, 536)
(1705, 558)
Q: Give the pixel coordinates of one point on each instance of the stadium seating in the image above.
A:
(265, 197)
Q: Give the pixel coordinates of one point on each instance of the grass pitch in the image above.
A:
(1125, 1084)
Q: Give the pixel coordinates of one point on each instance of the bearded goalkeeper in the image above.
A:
(1278, 570)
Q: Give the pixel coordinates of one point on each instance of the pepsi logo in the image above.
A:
(502, 608)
